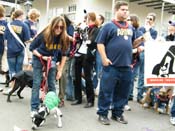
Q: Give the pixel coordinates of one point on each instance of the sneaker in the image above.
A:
(104, 120)
(161, 110)
(120, 119)
(145, 105)
(172, 120)
(127, 108)
(32, 113)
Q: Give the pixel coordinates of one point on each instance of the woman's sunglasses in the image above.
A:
(59, 27)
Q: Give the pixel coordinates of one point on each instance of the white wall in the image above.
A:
(100, 7)
(142, 12)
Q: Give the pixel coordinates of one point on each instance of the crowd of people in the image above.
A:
(92, 58)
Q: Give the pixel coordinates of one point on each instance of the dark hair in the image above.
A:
(67, 20)
(153, 15)
(118, 4)
(135, 20)
(102, 18)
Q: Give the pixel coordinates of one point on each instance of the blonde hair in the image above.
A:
(2, 11)
(92, 16)
(17, 13)
(33, 14)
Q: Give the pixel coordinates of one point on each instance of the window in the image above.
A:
(108, 16)
(72, 8)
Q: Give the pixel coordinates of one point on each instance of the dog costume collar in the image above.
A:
(51, 100)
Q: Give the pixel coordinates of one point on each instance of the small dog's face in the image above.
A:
(40, 117)
(163, 93)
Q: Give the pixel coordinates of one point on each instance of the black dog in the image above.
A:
(21, 79)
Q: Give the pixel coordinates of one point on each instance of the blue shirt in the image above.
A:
(51, 49)
(70, 32)
(136, 34)
(21, 29)
(3, 25)
(152, 31)
(118, 44)
(32, 27)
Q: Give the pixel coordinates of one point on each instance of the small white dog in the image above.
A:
(50, 106)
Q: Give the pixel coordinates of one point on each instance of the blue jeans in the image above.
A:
(15, 64)
(70, 79)
(114, 90)
(141, 87)
(134, 74)
(98, 69)
(37, 78)
(173, 108)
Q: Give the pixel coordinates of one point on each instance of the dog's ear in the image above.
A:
(38, 120)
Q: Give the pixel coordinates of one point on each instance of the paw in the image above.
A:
(8, 100)
(20, 97)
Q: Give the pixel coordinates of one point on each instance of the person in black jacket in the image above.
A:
(85, 60)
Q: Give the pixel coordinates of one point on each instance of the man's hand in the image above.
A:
(1, 32)
(106, 62)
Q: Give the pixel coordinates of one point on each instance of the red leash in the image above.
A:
(44, 83)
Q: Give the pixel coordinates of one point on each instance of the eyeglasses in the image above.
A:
(59, 27)
(150, 19)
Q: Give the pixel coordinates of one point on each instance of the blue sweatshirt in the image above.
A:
(152, 31)
(3, 25)
(14, 47)
(32, 27)
(54, 50)
(118, 44)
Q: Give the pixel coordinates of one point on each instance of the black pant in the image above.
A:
(84, 64)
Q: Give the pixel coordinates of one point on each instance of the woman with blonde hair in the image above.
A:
(15, 52)
(33, 16)
(51, 43)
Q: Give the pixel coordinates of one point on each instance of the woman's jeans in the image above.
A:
(141, 87)
(15, 64)
(37, 78)
(70, 79)
(173, 108)
(114, 90)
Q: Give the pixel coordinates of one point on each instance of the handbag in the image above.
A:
(25, 62)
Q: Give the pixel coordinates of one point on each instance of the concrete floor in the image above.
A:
(77, 118)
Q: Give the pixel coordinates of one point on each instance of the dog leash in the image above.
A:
(44, 83)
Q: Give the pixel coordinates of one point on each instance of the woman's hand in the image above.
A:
(59, 74)
(46, 57)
